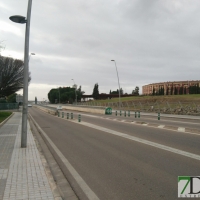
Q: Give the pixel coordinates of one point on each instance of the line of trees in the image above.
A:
(195, 89)
(64, 94)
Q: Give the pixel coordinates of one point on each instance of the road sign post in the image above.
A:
(108, 111)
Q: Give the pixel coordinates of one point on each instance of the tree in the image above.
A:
(167, 92)
(136, 91)
(121, 91)
(12, 98)
(185, 90)
(95, 93)
(159, 91)
(79, 93)
(153, 93)
(175, 91)
(181, 90)
(115, 92)
(172, 90)
(11, 76)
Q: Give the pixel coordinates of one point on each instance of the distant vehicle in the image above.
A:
(59, 107)
(29, 105)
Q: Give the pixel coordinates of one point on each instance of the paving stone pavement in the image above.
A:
(22, 175)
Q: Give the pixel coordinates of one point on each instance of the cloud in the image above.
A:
(151, 41)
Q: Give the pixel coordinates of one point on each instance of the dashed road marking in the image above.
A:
(161, 126)
(144, 124)
(181, 129)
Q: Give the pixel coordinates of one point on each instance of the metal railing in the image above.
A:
(9, 106)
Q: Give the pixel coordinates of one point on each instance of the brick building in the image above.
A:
(170, 87)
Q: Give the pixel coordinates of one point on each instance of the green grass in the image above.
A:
(191, 97)
(4, 115)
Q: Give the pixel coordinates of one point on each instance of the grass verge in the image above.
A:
(4, 115)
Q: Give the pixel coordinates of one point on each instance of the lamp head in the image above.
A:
(18, 19)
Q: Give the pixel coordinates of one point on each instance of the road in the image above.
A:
(120, 159)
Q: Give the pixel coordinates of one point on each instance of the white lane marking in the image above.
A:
(174, 120)
(144, 124)
(83, 185)
(5, 135)
(10, 124)
(123, 120)
(136, 139)
(181, 129)
(161, 126)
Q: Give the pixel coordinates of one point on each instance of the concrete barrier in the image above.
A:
(84, 109)
(72, 108)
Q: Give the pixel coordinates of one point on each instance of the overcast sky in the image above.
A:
(150, 40)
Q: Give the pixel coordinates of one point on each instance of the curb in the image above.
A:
(59, 183)
(3, 122)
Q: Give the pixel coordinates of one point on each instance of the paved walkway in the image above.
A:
(22, 175)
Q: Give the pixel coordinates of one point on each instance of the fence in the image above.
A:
(9, 106)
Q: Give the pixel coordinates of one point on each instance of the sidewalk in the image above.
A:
(22, 175)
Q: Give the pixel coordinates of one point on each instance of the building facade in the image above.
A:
(169, 88)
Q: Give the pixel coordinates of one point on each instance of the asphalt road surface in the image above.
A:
(123, 160)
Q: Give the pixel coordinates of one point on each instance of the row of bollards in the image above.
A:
(71, 115)
(137, 114)
(120, 113)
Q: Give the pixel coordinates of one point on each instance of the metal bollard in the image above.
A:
(124, 113)
(116, 112)
(158, 116)
(135, 114)
(71, 115)
(138, 114)
(67, 115)
(120, 112)
(129, 113)
(62, 114)
(79, 118)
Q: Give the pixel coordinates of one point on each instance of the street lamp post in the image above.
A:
(22, 20)
(59, 94)
(75, 91)
(118, 83)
